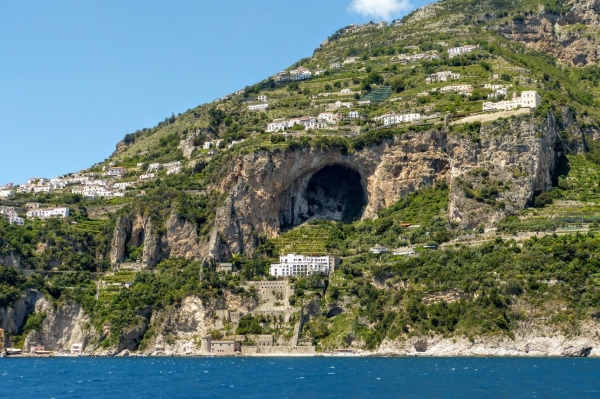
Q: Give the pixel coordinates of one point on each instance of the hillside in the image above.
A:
(449, 160)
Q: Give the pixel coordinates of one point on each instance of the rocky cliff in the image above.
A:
(270, 190)
(568, 36)
(529, 340)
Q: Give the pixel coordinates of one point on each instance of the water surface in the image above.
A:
(299, 378)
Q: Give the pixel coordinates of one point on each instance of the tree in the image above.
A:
(397, 84)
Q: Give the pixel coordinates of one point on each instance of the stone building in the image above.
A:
(225, 347)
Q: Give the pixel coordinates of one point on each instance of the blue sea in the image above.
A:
(299, 378)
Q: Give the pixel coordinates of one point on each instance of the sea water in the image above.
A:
(320, 377)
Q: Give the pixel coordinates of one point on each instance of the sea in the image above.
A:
(318, 377)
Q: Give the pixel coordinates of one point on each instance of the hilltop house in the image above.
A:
(262, 98)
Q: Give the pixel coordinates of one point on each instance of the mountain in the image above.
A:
(448, 160)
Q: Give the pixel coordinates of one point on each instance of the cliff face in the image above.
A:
(529, 340)
(568, 37)
(499, 170)
(63, 326)
(179, 239)
(269, 190)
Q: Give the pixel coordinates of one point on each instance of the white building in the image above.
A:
(43, 189)
(393, 118)
(340, 104)
(300, 265)
(346, 91)
(153, 167)
(13, 218)
(262, 98)
(350, 60)
(123, 185)
(258, 107)
(7, 193)
(454, 51)
(117, 171)
(11, 215)
(207, 145)
(528, 99)
(147, 176)
(443, 76)
(45, 213)
(353, 115)
(465, 89)
(335, 65)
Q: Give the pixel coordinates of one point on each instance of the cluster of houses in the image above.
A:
(323, 120)
(300, 73)
(33, 211)
(527, 99)
(151, 172)
(300, 265)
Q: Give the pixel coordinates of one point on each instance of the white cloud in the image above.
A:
(380, 9)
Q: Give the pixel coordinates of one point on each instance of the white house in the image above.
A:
(116, 171)
(454, 51)
(528, 99)
(393, 118)
(258, 107)
(465, 89)
(335, 65)
(43, 189)
(7, 193)
(299, 265)
(11, 215)
(350, 60)
(346, 91)
(442, 77)
(174, 170)
(320, 72)
(153, 167)
(207, 145)
(13, 218)
(147, 176)
(262, 98)
(353, 115)
(45, 213)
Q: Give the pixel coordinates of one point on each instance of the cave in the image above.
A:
(334, 192)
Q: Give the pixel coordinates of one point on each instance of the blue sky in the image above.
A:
(76, 76)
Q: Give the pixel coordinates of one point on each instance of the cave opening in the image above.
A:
(335, 192)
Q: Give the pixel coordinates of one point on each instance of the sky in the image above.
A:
(76, 76)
